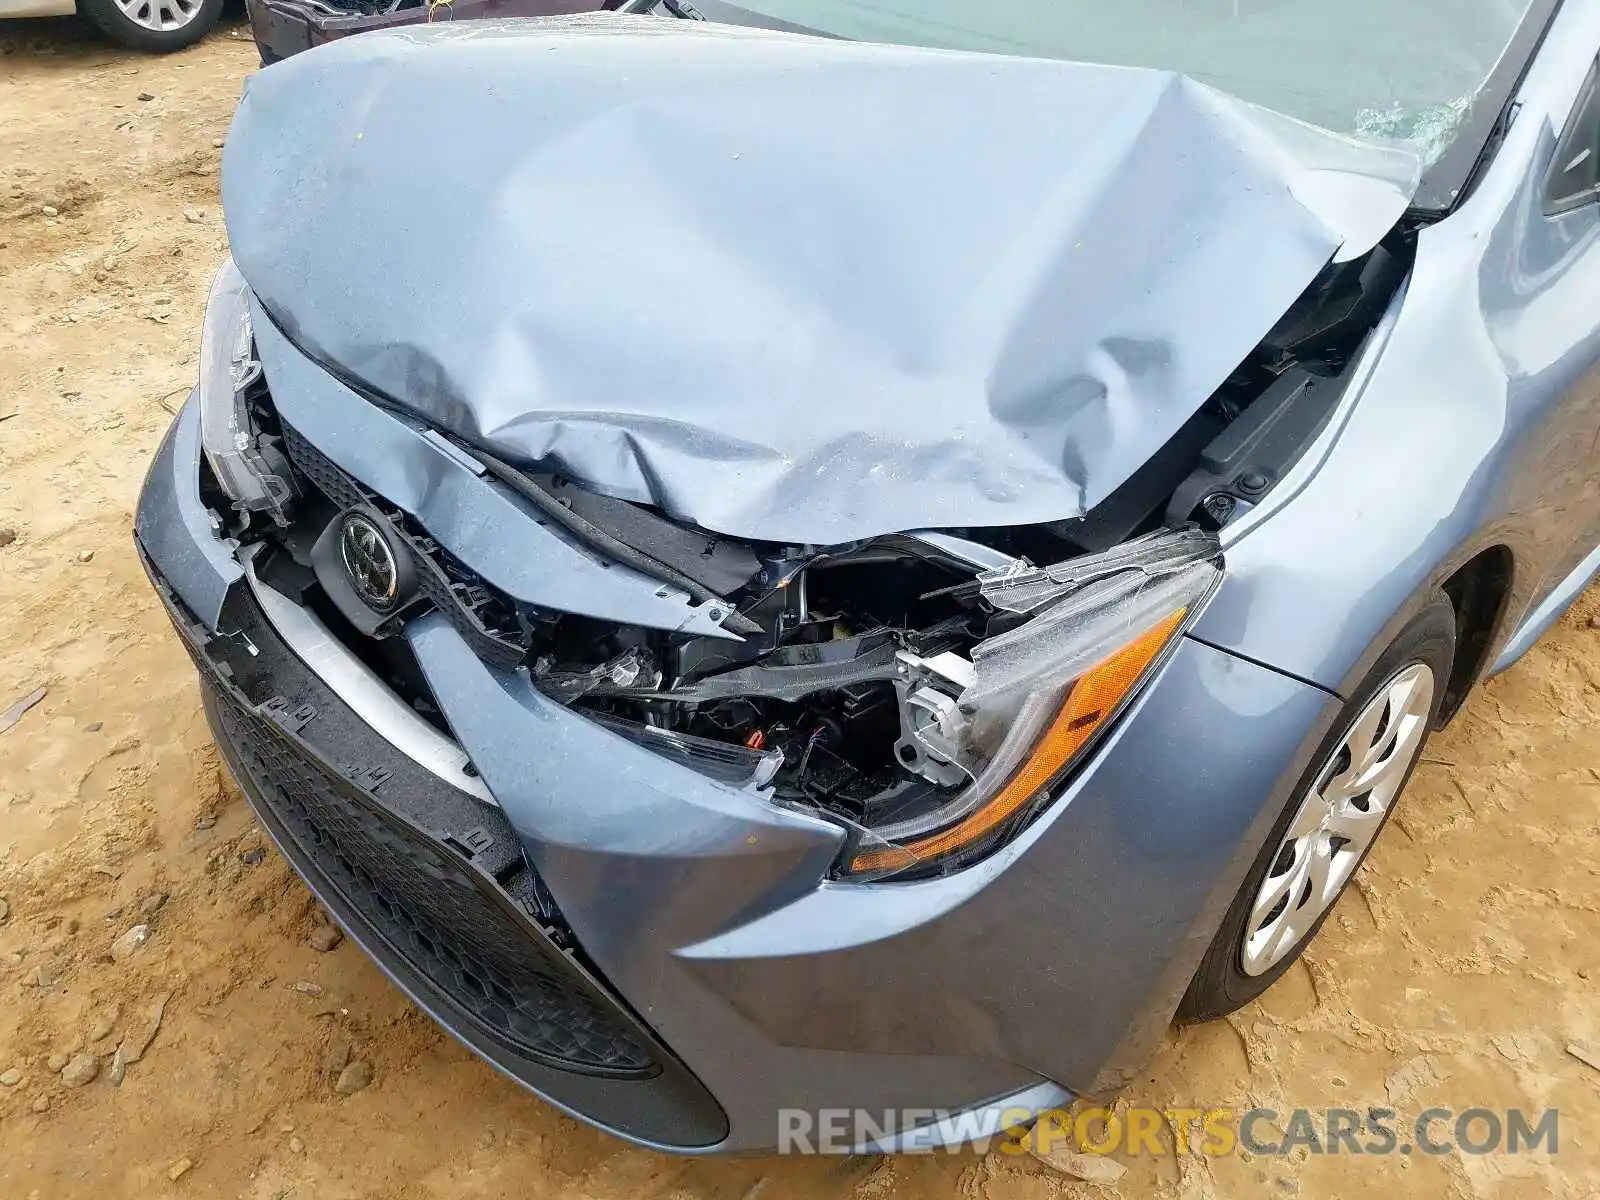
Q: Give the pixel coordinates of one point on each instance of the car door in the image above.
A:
(1558, 339)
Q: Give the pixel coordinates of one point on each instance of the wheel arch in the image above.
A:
(1480, 591)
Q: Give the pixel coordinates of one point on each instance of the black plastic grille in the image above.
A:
(463, 604)
(425, 902)
(466, 603)
(315, 466)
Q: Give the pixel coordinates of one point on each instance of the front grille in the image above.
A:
(480, 614)
(424, 901)
(315, 466)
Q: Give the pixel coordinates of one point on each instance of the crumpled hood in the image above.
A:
(784, 287)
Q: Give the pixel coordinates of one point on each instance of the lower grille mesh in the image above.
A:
(434, 914)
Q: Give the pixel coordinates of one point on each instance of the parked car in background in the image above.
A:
(159, 26)
(285, 27)
(756, 572)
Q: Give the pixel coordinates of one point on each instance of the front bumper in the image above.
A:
(699, 918)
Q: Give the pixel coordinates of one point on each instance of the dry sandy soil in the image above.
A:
(1456, 974)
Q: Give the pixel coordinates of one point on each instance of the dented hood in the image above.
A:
(784, 287)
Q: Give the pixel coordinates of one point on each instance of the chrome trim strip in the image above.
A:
(364, 692)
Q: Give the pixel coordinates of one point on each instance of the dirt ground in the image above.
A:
(1457, 974)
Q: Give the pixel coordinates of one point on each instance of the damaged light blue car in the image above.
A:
(819, 555)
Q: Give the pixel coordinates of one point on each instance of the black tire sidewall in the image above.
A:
(115, 24)
(1219, 985)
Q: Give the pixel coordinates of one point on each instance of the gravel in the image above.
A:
(354, 1078)
(336, 1059)
(80, 1070)
(138, 1040)
(125, 946)
(104, 1022)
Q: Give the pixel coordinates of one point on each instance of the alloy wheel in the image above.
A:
(161, 16)
(1338, 818)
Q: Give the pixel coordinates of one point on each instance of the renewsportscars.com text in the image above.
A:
(1137, 1131)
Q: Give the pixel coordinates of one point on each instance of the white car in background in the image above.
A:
(159, 26)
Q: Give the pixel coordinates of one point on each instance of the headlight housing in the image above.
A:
(1039, 694)
(228, 368)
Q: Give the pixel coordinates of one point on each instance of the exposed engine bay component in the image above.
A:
(929, 720)
(792, 673)
(633, 669)
(738, 765)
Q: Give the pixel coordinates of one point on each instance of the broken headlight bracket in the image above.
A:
(244, 468)
(998, 733)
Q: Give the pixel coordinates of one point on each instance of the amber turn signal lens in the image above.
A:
(1089, 703)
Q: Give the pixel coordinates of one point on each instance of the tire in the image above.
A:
(188, 21)
(1262, 935)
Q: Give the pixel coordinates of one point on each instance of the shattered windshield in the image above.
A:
(1399, 69)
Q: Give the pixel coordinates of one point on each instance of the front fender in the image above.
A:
(1461, 434)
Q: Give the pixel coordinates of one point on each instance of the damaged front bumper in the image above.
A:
(692, 922)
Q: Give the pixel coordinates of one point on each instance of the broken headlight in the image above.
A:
(999, 731)
(227, 369)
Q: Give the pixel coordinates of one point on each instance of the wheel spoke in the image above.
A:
(1363, 738)
(1323, 878)
(1278, 887)
(1307, 821)
(1355, 825)
(159, 15)
(1285, 933)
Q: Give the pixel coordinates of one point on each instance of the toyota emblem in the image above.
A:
(369, 561)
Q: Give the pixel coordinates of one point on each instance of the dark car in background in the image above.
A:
(285, 27)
